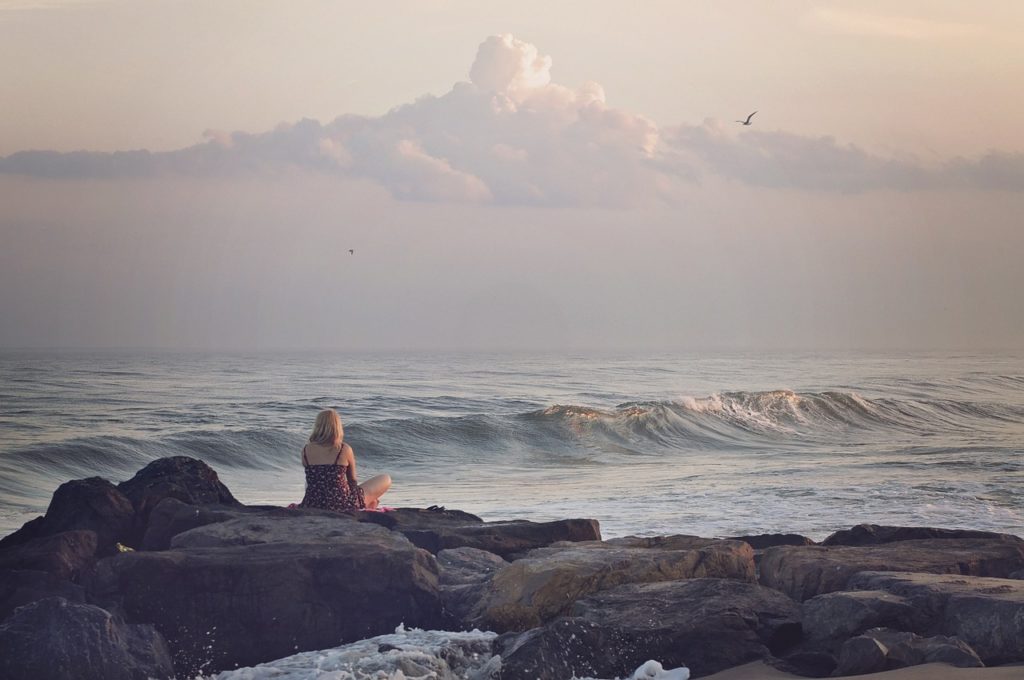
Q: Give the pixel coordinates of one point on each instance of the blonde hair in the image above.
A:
(327, 430)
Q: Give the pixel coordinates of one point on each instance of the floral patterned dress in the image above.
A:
(330, 487)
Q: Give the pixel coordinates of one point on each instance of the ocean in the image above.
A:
(706, 444)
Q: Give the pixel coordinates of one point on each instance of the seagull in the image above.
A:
(351, 251)
(747, 121)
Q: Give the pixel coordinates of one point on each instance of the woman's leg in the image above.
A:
(374, 487)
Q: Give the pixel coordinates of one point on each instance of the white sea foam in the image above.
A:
(409, 654)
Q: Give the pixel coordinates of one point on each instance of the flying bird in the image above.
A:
(351, 251)
(747, 121)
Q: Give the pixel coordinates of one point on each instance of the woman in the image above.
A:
(331, 470)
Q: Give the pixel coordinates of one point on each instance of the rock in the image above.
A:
(262, 588)
(288, 529)
(463, 572)
(56, 639)
(705, 624)
(180, 477)
(805, 571)
(171, 517)
(543, 585)
(861, 655)
(465, 566)
(882, 649)
(834, 617)
(985, 613)
(908, 649)
(874, 534)
(65, 555)
(418, 518)
(29, 530)
(809, 663)
(93, 504)
(763, 541)
(20, 587)
(501, 538)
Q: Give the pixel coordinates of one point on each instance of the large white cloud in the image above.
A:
(511, 135)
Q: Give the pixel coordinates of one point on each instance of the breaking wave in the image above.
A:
(559, 433)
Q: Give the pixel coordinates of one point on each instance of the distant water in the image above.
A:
(650, 444)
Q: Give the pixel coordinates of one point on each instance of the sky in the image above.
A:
(511, 176)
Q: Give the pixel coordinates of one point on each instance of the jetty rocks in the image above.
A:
(167, 575)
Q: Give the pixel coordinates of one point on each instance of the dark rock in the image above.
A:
(809, 663)
(56, 639)
(834, 617)
(805, 571)
(501, 538)
(20, 587)
(763, 541)
(266, 587)
(875, 534)
(464, 566)
(463, 572)
(706, 624)
(543, 585)
(1019, 574)
(418, 518)
(908, 649)
(64, 555)
(29, 530)
(882, 649)
(673, 542)
(985, 613)
(93, 504)
(861, 655)
(171, 517)
(186, 479)
(257, 529)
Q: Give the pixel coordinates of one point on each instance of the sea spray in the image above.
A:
(409, 654)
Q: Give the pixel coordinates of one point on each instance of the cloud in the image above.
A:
(513, 136)
(776, 159)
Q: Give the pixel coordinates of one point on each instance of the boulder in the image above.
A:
(258, 529)
(94, 504)
(54, 639)
(462, 573)
(186, 479)
(908, 649)
(985, 613)
(467, 566)
(255, 589)
(705, 624)
(506, 539)
(805, 571)
(882, 649)
(65, 555)
(544, 585)
(835, 617)
(400, 519)
(171, 517)
(20, 587)
(875, 534)
(763, 541)
(861, 655)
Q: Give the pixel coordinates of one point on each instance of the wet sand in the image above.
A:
(931, 671)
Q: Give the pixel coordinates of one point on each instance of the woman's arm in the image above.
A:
(349, 456)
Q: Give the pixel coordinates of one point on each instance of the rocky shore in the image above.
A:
(167, 575)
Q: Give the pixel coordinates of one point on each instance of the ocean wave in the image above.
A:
(775, 420)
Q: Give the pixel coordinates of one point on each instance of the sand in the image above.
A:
(930, 671)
